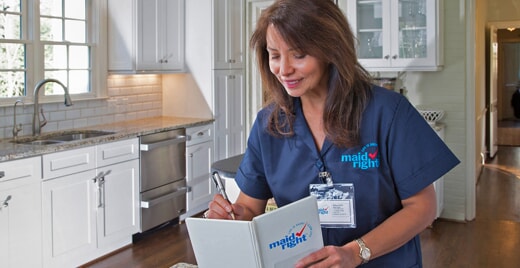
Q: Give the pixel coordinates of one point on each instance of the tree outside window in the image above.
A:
(59, 42)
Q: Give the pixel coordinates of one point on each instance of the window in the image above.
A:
(42, 39)
(12, 49)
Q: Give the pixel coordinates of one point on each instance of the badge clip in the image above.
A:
(326, 178)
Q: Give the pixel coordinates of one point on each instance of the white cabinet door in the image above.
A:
(69, 220)
(90, 202)
(397, 35)
(229, 34)
(121, 35)
(20, 213)
(160, 35)
(117, 203)
(200, 158)
(145, 36)
(229, 113)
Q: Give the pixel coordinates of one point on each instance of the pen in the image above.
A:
(221, 190)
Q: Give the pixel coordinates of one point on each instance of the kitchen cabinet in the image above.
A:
(20, 213)
(214, 35)
(229, 77)
(229, 113)
(90, 202)
(146, 36)
(397, 35)
(118, 204)
(199, 153)
(229, 45)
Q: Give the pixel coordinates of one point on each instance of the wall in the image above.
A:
(183, 97)
(129, 98)
(446, 90)
(503, 10)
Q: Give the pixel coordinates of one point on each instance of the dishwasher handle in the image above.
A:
(151, 146)
(160, 199)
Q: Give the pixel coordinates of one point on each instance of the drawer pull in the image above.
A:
(166, 197)
(6, 202)
(151, 146)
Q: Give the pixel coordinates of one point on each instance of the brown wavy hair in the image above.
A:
(320, 29)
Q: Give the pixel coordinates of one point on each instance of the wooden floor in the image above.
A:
(491, 240)
(508, 132)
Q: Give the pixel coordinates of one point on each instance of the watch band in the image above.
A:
(364, 251)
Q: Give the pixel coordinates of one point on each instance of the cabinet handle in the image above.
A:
(394, 57)
(2, 174)
(6, 202)
(200, 134)
(101, 183)
(231, 61)
(100, 180)
(387, 57)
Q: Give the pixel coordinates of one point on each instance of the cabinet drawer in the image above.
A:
(199, 134)
(116, 152)
(19, 172)
(69, 162)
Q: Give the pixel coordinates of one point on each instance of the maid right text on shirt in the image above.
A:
(367, 157)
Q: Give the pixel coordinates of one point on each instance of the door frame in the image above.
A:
(492, 83)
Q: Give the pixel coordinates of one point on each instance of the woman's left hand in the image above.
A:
(331, 256)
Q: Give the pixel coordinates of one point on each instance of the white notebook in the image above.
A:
(275, 239)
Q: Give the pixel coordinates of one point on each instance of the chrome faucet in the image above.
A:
(37, 125)
(16, 128)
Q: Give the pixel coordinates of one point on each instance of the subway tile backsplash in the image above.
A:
(129, 97)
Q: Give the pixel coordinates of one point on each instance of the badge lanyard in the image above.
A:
(335, 200)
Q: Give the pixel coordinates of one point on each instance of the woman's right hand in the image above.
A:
(245, 208)
(220, 208)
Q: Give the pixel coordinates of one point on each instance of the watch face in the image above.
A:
(365, 253)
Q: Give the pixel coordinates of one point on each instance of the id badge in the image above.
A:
(335, 204)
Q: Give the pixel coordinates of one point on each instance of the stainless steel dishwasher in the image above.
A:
(163, 177)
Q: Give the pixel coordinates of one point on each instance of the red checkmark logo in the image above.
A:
(298, 234)
(373, 155)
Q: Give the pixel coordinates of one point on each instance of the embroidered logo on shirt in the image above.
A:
(367, 157)
(298, 234)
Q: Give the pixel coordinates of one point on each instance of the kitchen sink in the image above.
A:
(61, 137)
(73, 136)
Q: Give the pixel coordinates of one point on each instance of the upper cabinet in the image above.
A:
(229, 34)
(397, 35)
(146, 36)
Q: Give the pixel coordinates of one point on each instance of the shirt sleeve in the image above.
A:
(250, 177)
(417, 155)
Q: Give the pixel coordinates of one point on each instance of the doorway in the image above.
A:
(503, 77)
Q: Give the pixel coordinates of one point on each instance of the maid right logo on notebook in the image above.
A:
(298, 234)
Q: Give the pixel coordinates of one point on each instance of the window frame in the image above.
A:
(96, 35)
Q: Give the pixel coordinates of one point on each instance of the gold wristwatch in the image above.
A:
(364, 251)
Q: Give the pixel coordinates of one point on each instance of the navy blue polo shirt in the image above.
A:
(398, 156)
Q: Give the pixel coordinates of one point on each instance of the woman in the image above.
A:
(325, 124)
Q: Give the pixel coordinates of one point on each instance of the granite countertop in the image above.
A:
(122, 130)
